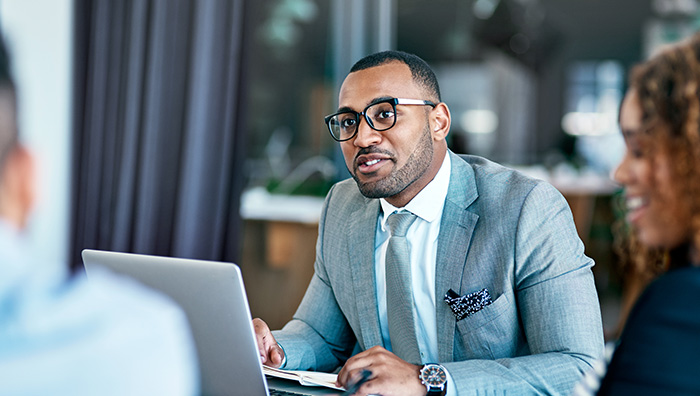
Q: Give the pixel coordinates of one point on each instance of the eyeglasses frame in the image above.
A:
(393, 101)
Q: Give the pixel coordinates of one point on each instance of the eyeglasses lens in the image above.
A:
(343, 125)
(381, 116)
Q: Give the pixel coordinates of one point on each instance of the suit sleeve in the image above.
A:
(557, 303)
(318, 337)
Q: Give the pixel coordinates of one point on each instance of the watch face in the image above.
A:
(433, 375)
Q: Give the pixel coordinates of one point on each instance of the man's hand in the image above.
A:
(391, 376)
(270, 352)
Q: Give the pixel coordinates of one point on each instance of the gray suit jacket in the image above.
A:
(500, 230)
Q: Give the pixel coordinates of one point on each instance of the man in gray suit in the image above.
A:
(502, 295)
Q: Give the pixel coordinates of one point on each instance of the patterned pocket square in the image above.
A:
(469, 304)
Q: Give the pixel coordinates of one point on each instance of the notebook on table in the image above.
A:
(213, 297)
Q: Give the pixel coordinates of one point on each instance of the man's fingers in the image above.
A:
(266, 342)
(354, 366)
(276, 355)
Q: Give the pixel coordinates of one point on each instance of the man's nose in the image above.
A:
(366, 136)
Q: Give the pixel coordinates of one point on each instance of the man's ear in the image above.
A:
(17, 187)
(440, 121)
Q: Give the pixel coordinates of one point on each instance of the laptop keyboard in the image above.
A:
(276, 392)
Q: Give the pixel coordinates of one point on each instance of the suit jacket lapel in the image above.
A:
(362, 226)
(456, 228)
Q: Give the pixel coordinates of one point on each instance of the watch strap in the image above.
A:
(436, 390)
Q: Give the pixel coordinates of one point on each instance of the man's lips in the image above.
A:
(369, 163)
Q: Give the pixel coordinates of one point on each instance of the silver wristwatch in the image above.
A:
(434, 378)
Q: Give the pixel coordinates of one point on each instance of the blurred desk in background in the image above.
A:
(279, 249)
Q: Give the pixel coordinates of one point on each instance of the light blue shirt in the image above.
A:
(422, 238)
(68, 336)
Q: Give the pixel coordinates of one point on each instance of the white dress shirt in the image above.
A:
(422, 237)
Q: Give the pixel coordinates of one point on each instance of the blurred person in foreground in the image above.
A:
(68, 336)
(659, 348)
(498, 295)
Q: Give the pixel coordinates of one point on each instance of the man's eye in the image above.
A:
(347, 123)
(385, 114)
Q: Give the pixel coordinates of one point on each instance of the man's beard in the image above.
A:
(399, 179)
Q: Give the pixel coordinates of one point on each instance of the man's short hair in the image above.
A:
(420, 70)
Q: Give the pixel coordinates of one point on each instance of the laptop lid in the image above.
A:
(213, 297)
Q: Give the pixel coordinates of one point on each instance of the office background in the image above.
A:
(193, 128)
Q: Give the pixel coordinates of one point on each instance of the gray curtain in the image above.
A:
(158, 144)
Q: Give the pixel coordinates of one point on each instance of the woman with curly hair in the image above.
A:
(659, 348)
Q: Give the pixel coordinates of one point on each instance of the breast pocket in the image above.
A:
(491, 333)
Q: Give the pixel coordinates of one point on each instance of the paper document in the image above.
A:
(307, 378)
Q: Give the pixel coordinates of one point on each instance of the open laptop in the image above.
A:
(213, 297)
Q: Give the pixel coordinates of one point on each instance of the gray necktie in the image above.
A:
(399, 292)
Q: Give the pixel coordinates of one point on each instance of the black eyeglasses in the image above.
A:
(380, 116)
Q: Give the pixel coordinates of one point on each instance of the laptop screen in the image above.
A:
(214, 299)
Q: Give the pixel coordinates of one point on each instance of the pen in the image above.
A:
(364, 376)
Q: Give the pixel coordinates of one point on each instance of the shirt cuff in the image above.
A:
(451, 386)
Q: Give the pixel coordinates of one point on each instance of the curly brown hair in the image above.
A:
(668, 89)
